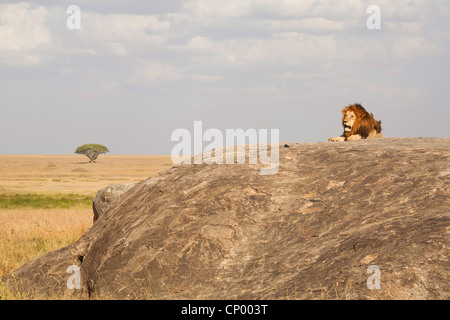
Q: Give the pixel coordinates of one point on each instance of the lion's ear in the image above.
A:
(363, 115)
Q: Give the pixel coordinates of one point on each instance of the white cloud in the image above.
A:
(199, 43)
(125, 28)
(214, 8)
(406, 10)
(311, 8)
(67, 71)
(23, 34)
(406, 46)
(284, 48)
(302, 32)
(118, 49)
(404, 27)
(122, 34)
(149, 72)
(293, 30)
(317, 24)
(291, 34)
(205, 78)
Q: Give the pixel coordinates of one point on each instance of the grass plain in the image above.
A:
(73, 174)
(46, 200)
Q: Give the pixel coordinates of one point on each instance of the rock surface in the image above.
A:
(107, 197)
(308, 232)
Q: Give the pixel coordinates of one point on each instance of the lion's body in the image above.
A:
(358, 124)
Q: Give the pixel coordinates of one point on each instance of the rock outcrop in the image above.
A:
(107, 197)
(311, 231)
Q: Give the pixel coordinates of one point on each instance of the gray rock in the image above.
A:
(106, 197)
(308, 232)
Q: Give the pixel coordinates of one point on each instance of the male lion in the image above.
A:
(358, 124)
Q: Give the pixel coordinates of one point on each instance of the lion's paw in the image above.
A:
(337, 139)
(354, 137)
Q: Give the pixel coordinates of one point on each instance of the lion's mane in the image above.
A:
(364, 124)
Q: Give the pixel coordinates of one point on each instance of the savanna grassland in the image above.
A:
(46, 200)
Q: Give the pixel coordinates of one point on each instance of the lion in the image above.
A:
(358, 124)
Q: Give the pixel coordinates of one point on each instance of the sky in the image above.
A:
(136, 71)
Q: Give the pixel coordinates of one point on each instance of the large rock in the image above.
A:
(309, 231)
(106, 197)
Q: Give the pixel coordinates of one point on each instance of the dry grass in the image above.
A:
(56, 174)
(26, 234)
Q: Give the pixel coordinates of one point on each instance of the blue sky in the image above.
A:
(136, 71)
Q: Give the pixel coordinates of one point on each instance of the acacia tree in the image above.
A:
(92, 151)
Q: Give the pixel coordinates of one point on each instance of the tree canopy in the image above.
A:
(92, 151)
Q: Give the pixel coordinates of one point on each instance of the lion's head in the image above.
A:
(357, 121)
(351, 117)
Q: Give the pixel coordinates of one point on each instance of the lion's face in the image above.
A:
(358, 124)
(348, 120)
